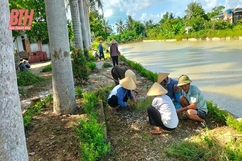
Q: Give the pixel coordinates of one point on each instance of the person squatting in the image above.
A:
(171, 97)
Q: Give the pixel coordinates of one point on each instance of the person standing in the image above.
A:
(192, 100)
(114, 52)
(162, 113)
(100, 49)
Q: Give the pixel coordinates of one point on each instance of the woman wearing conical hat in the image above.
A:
(162, 113)
(119, 95)
(114, 52)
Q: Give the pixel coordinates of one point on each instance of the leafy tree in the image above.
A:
(39, 26)
(216, 11)
(194, 10)
(195, 16)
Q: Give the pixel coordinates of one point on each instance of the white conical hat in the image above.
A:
(156, 90)
(162, 76)
(130, 73)
(127, 83)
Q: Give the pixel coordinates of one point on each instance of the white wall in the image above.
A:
(34, 47)
(45, 48)
(18, 44)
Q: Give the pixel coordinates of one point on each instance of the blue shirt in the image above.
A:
(194, 95)
(100, 48)
(170, 88)
(120, 93)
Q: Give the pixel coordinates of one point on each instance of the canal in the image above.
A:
(214, 66)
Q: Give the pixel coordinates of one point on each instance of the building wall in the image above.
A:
(18, 44)
(45, 48)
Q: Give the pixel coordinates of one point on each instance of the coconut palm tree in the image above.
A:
(76, 23)
(12, 137)
(62, 79)
(129, 23)
(120, 26)
(107, 28)
(84, 25)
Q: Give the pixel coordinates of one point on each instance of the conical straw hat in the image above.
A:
(130, 73)
(113, 41)
(156, 90)
(127, 83)
(162, 76)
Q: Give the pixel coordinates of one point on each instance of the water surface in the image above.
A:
(214, 66)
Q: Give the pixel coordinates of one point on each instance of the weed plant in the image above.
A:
(107, 65)
(215, 113)
(25, 78)
(236, 124)
(91, 65)
(36, 109)
(47, 68)
(141, 105)
(207, 146)
(79, 92)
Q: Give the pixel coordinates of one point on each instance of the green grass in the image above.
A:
(25, 78)
(47, 68)
(207, 146)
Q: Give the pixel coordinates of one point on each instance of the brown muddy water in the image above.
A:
(214, 66)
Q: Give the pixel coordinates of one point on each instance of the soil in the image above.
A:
(51, 137)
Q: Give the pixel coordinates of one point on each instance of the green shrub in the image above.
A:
(102, 93)
(93, 145)
(36, 109)
(215, 113)
(106, 65)
(25, 78)
(86, 53)
(91, 65)
(236, 124)
(79, 66)
(91, 58)
(47, 68)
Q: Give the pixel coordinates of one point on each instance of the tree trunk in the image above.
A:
(62, 75)
(12, 137)
(88, 23)
(83, 23)
(75, 16)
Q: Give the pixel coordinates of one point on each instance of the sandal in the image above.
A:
(155, 132)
